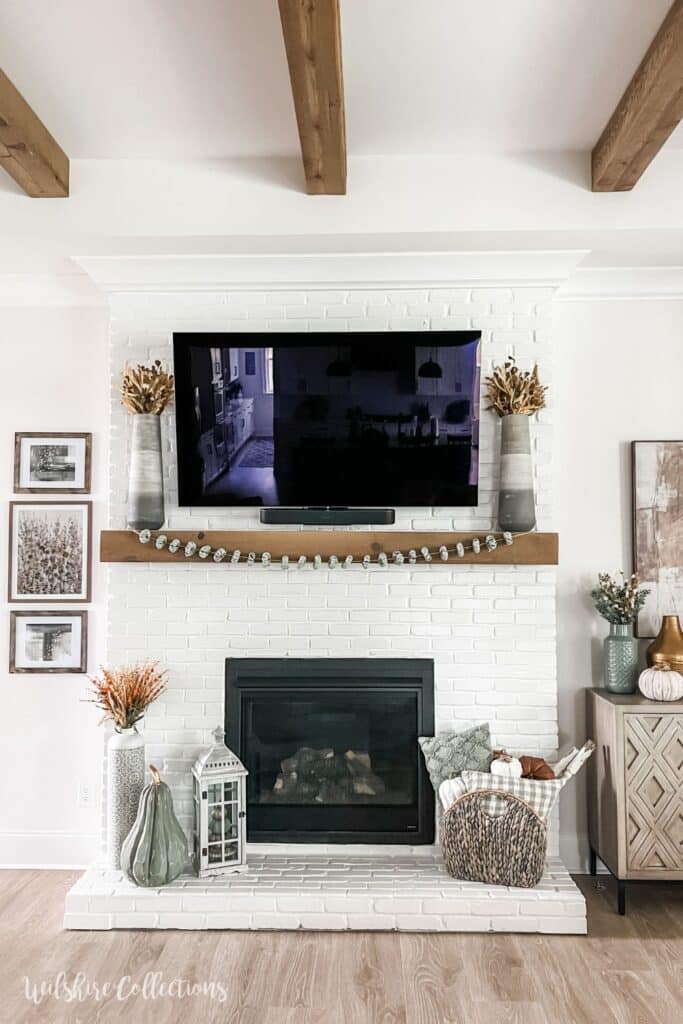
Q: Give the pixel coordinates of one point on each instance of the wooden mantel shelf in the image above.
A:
(527, 549)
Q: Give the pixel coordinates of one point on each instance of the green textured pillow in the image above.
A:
(449, 753)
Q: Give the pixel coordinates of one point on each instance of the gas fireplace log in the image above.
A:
(323, 776)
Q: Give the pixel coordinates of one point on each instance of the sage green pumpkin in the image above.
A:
(155, 850)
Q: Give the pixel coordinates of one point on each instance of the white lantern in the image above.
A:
(219, 810)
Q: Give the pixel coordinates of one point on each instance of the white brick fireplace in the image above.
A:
(489, 630)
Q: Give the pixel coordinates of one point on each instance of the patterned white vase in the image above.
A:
(125, 782)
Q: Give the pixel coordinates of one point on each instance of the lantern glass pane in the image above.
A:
(230, 791)
(214, 827)
(230, 852)
(215, 853)
(230, 821)
(215, 793)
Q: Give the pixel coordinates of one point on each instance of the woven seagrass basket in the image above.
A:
(508, 848)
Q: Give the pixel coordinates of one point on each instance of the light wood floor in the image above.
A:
(627, 970)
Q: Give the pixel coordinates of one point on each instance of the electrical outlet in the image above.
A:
(85, 795)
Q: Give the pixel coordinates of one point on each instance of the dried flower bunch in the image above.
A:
(618, 601)
(512, 391)
(146, 389)
(123, 694)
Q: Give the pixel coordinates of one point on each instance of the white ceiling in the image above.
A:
(208, 79)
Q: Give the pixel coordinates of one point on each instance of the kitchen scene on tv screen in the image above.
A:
(345, 420)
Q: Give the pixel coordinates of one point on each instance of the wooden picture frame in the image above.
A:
(657, 536)
(30, 561)
(34, 474)
(21, 643)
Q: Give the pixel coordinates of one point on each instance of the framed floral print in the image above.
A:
(50, 551)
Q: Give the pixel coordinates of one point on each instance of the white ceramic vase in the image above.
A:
(125, 782)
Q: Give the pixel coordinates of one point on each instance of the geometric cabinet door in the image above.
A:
(635, 788)
(653, 763)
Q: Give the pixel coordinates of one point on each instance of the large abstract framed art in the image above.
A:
(658, 529)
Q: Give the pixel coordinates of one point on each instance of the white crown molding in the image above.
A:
(548, 268)
(622, 283)
(565, 271)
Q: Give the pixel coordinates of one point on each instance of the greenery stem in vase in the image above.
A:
(618, 600)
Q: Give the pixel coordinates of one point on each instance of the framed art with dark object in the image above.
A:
(50, 551)
(55, 641)
(657, 468)
(52, 463)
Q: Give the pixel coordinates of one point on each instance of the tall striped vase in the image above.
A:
(146, 481)
(516, 506)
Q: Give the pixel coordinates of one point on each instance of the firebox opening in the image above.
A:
(331, 748)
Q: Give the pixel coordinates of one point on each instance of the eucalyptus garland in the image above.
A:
(191, 549)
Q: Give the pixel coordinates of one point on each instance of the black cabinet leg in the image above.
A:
(593, 862)
(621, 896)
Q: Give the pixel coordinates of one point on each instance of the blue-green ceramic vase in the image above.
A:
(621, 659)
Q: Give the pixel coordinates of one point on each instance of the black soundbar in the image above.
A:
(328, 516)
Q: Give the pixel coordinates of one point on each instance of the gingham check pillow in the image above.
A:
(540, 796)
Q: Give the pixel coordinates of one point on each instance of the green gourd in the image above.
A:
(155, 850)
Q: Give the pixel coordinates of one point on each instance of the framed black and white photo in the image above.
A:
(49, 551)
(55, 641)
(56, 463)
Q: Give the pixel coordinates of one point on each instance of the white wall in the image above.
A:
(618, 375)
(167, 206)
(618, 367)
(55, 377)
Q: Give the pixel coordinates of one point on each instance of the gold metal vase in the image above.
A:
(668, 644)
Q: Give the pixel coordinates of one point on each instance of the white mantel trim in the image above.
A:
(340, 270)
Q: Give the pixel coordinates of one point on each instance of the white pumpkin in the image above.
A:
(506, 766)
(661, 682)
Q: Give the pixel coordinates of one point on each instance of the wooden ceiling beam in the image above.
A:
(646, 114)
(312, 34)
(28, 152)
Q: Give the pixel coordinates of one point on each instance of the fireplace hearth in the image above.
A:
(331, 748)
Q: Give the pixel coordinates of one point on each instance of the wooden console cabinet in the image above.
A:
(635, 788)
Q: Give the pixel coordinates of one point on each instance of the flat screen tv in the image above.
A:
(361, 419)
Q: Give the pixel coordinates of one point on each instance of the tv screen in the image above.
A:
(370, 419)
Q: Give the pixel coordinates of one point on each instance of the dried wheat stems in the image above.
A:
(146, 389)
(123, 694)
(515, 392)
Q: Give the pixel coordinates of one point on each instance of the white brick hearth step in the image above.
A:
(399, 891)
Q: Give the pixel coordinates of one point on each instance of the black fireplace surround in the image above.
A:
(331, 747)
